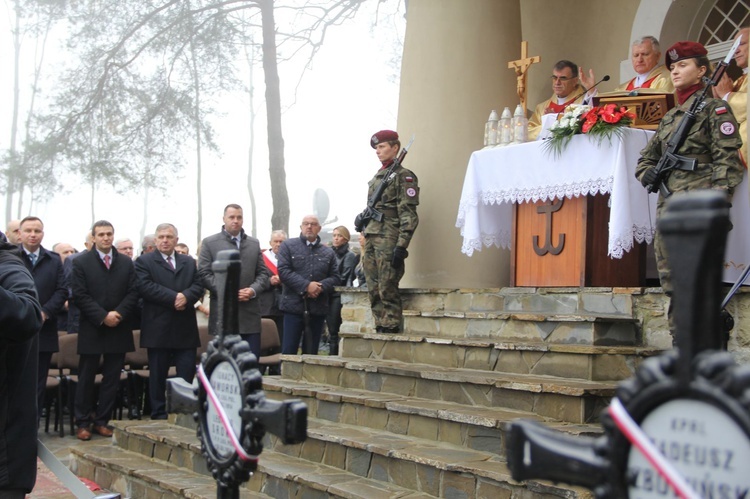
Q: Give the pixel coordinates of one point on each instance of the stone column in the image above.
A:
(454, 72)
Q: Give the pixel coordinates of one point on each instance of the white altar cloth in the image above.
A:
(496, 178)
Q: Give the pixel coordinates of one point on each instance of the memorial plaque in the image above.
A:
(228, 387)
(703, 443)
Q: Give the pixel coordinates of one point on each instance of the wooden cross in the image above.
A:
(521, 66)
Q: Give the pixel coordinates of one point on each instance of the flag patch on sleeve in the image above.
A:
(721, 110)
(409, 179)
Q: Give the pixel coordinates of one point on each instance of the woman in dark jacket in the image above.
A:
(346, 261)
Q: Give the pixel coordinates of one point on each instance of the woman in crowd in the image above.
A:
(346, 261)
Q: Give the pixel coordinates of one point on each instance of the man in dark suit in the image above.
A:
(170, 286)
(254, 276)
(47, 269)
(104, 290)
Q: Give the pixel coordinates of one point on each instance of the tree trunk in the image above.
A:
(251, 146)
(10, 186)
(279, 194)
(197, 120)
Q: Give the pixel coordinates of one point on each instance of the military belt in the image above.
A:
(702, 158)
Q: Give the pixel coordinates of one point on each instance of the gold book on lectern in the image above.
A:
(649, 106)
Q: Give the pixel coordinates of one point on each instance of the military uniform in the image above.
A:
(714, 141)
(398, 205)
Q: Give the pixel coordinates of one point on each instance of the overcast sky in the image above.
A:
(348, 94)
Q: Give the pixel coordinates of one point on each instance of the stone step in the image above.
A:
(568, 400)
(475, 428)
(154, 452)
(337, 460)
(506, 326)
(592, 362)
(648, 306)
(434, 468)
(134, 475)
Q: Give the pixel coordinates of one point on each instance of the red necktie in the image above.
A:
(106, 260)
(169, 261)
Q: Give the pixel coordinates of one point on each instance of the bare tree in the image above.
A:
(195, 43)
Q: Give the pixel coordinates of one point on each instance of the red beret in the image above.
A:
(684, 50)
(383, 136)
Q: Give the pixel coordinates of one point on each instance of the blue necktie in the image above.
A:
(33, 259)
(236, 241)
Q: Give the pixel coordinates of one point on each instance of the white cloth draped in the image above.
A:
(496, 178)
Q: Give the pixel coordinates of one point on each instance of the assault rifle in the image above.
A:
(670, 160)
(370, 213)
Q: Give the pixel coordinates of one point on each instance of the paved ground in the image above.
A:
(47, 484)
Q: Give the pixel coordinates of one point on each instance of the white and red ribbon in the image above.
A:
(223, 416)
(643, 443)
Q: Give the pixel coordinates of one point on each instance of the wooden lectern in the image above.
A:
(649, 107)
(564, 243)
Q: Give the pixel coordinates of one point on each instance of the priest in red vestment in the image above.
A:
(567, 89)
(645, 55)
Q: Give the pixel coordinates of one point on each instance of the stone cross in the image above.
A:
(521, 66)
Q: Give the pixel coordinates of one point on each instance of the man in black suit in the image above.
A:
(47, 269)
(170, 286)
(104, 290)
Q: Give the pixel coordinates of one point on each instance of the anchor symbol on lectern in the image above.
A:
(548, 209)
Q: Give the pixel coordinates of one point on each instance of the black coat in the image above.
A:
(162, 326)
(50, 287)
(97, 291)
(20, 320)
(299, 265)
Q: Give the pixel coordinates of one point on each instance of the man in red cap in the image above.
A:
(386, 241)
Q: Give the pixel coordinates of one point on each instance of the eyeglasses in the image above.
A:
(562, 79)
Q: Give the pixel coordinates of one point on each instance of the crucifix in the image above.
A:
(521, 66)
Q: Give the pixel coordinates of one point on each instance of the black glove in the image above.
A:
(399, 255)
(649, 177)
(358, 226)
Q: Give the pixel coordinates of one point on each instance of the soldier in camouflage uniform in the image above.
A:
(386, 241)
(713, 140)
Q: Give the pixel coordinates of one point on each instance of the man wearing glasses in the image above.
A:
(567, 89)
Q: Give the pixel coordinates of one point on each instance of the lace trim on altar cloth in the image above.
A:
(624, 243)
(501, 240)
(517, 195)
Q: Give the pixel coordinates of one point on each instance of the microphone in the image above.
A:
(585, 91)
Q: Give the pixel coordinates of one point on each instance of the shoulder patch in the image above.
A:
(727, 128)
(408, 179)
(411, 192)
(721, 110)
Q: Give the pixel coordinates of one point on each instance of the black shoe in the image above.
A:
(379, 329)
(134, 413)
(390, 330)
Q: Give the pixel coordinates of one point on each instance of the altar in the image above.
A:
(500, 179)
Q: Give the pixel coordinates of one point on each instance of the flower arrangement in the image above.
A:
(599, 123)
